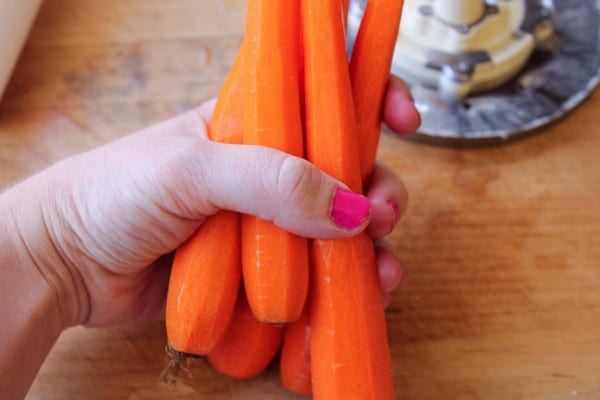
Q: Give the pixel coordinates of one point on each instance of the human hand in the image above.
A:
(112, 217)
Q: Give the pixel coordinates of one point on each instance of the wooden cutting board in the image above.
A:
(501, 244)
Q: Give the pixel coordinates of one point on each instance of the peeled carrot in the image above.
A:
(345, 6)
(206, 270)
(274, 261)
(349, 347)
(342, 345)
(345, 9)
(294, 364)
(329, 105)
(370, 72)
(248, 346)
(227, 123)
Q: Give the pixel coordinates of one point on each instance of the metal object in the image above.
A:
(496, 72)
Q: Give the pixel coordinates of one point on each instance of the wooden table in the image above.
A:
(501, 244)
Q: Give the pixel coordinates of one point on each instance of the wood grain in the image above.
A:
(502, 294)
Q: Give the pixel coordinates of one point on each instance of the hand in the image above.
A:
(113, 216)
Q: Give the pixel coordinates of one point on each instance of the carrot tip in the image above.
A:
(178, 355)
(177, 363)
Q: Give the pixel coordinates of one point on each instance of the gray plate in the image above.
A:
(553, 83)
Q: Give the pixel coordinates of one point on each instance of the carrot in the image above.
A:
(345, 6)
(350, 352)
(274, 262)
(248, 345)
(294, 365)
(206, 269)
(227, 123)
(334, 149)
(345, 9)
(370, 72)
(349, 348)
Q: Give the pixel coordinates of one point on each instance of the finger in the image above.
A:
(193, 123)
(390, 268)
(206, 109)
(387, 300)
(399, 111)
(275, 186)
(193, 177)
(389, 200)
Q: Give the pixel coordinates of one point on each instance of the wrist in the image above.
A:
(29, 326)
(26, 210)
(31, 320)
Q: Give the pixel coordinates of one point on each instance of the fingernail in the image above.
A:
(395, 210)
(350, 210)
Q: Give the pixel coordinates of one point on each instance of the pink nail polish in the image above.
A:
(350, 209)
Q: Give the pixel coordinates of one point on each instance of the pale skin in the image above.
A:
(89, 240)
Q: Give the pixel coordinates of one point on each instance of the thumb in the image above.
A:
(276, 186)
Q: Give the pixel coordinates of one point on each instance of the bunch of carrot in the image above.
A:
(293, 89)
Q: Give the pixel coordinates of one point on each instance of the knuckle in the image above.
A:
(297, 180)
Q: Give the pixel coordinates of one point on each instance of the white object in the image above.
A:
(16, 17)
(467, 13)
(464, 47)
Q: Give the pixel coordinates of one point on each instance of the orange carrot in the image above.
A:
(294, 367)
(329, 106)
(227, 122)
(206, 270)
(345, 6)
(345, 9)
(350, 352)
(349, 348)
(370, 72)
(274, 262)
(248, 345)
